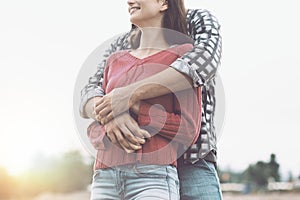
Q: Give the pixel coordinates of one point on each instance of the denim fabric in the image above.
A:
(136, 182)
(199, 181)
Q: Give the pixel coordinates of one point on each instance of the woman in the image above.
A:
(150, 172)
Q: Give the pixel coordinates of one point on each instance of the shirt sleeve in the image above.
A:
(96, 135)
(94, 85)
(181, 126)
(96, 132)
(202, 61)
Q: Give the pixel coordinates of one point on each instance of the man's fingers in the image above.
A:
(109, 117)
(102, 110)
(105, 118)
(96, 105)
(100, 101)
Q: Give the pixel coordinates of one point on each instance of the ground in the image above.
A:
(85, 195)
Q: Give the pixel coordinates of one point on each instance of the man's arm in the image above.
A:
(94, 86)
(201, 63)
(121, 99)
(198, 66)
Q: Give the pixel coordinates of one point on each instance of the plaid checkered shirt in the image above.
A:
(200, 64)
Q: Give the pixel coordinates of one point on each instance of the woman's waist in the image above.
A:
(152, 152)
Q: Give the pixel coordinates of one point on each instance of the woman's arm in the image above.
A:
(182, 125)
(123, 130)
(197, 66)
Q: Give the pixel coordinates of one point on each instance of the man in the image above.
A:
(196, 168)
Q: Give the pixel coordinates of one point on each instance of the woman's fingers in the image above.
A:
(119, 138)
(125, 132)
(145, 134)
(139, 133)
(130, 134)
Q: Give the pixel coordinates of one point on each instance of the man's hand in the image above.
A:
(112, 104)
(121, 99)
(90, 107)
(124, 131)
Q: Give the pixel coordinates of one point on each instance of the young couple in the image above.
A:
(149, 114)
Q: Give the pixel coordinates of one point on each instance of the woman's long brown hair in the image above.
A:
(175, 16)
(174, 21)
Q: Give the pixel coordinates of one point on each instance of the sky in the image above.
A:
(44, 46)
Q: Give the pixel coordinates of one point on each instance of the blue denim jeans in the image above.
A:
(199, 181)
(136, 182)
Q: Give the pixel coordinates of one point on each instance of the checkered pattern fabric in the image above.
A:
(200, 64)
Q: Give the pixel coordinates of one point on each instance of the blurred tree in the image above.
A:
(73, 174)
(260, 173)
(7, 184)
(64, 174)
(274, 168)
(229, 176)
(290, 176)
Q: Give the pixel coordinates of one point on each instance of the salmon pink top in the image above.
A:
(173, 119)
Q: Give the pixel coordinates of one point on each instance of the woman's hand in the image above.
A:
(124, 131)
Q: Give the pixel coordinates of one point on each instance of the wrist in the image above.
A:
(136, 108)
(138, 93)
(90, 106)
(133, 94)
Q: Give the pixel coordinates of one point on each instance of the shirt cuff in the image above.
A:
(143, 117)
(152, 115)
(86, 97)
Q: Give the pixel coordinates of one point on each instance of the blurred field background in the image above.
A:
(44, 45)
(85, 195)
(68, 177)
